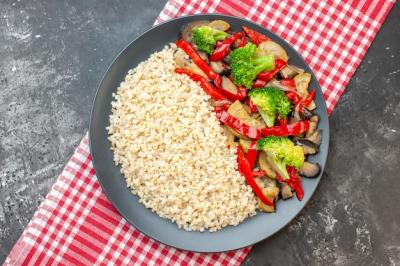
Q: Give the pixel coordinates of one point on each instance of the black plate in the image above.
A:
(252, 230)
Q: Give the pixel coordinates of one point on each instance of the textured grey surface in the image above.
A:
(53, 54)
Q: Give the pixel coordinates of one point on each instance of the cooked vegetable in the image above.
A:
(270, 101)
(252, 153)
(265, 166)
(254, 36)
(294, 182)
(266, 76)
(231, 91)
(292, 129)
(246, 65)
(286, 191)
(205, 38)
(223, 48)
(238, 126)
(183, 61)
(219, 25)
(218, 66)
(245, 170)
(281, 152)
(237, 110)
(187, 29)
(308, 147)
(310, 169)
(272, 48)
(290, 71)
(316, 137)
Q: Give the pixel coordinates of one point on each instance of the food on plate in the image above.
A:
(215, 126)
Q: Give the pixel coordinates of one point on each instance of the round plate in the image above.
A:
(253, 229)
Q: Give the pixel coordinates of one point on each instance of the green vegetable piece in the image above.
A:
(246, 65)
(206, 37)
(281, 152)
(270, 101)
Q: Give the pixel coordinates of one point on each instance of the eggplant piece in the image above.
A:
(265, 166)
(230, 141)
(228, 85)
(286, 191)
(270, 190)
(245, 144)
(187, 29)
(184, 62)
(306, 115)
(217, 66)
(302, 81)
(219, 25)
(310, 169)
(312, 128)
(290, 71)
(277, 84)
(272, 48)
(308, 147)
(316, 137)
(237, 110)
(314, 118)
(227, 60)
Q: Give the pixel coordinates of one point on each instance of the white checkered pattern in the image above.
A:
(77, 225)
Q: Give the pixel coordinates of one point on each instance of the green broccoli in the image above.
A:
(281, 151)
(206, 37)
(270, 101)
(246, 65)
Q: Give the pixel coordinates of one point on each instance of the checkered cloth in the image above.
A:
(77, 225)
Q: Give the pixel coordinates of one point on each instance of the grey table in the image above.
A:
(52, 57)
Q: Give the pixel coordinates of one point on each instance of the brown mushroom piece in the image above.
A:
(316, 137)
(220, 67)
(290, 71)
(313, 125)
(272, 48)
(187, 29)
(308, 146)
(183, 61)
(302, 81)
(286, 191)
(219, 25)
(310, 169)
(230, 138)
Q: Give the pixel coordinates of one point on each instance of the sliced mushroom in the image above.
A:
(302, 81)
(264, 165)
(183, 61)
(310, 169)
(272, 48)
(219, 25)
(290, 71)
(270, 190)
(295, 117)
(286, 191)
(228, 85)
(187, 29)
(316, 137)
(313, 126)
(308, 146)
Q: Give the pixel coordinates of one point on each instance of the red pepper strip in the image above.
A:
(219, 108)
(282, 121)
(290, 83)
(253, 107)
(207, 86)
(245, 170)
(240, 95)
(259, 84)
(293, 129)
(192, 53)
(268, 75)
(255, 37)
(293, 97)
(238, 125)
(259, 173)
(242, 41)
(294, 181)
(306, 102)
(223, 49)
(252, 153)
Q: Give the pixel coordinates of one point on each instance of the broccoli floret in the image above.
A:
(206, 37)
(281, 151)
(246, 65)
(270, 101)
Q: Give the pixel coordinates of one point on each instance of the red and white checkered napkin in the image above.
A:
(77, 225)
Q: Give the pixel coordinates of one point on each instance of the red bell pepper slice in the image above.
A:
(242, 41)
(192, 53)
(237, 125)
(259, 84)
(294, 181)
(290, 83)
(268, 75)
(282, 121)
(207, 86)
(253, 107)
(245, 170)
(254, 36)
(252, 153)
(293, 129)
(293, 97)
(306, 102)
(259, 173)
(240, 95)
(223, 48)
